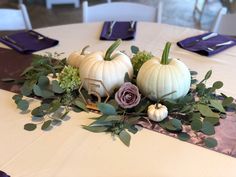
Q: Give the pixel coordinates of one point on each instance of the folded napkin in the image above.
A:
(120, 30)
(28, 41)
(3, 174)
(207, 47)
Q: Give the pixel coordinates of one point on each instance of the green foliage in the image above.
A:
(139, 59)
(69, 79)
(201, 109)
(55, 101)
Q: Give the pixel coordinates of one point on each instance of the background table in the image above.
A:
(70, 151)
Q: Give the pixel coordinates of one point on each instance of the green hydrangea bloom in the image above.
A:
(69, 78)
(140, 58)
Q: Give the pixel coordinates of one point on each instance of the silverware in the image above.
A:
(38, 36)
(12, 41)
(109, 32)
(212, 48)
(209, 36)
(131, 28)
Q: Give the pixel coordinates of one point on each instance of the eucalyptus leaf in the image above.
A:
(95, 129)
(210, 142)
(81, 105)
(56, 87)
(212, 120)
(46, 124)
(142, 106)
(26, 89)
(23, 105)
(217, 105)
(106, 109)
(206, 111)
(132, 129)
(183, 136)
(132, 120)
(37, 90)
(134, 49)
(218, 84)
(195, 115)
(17, 98)
(125, 137)
(38, 112)
(196, 124)
(176, 123)
(43, 81)
(113, 103)
(47, 94)
(54, 106)
(227, 101)
(167, 124)
(208, 75)
(208, 128)
(30, 126)
(114, 118)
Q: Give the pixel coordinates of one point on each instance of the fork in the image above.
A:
(109, 32)
(131, 28)
(212, 48)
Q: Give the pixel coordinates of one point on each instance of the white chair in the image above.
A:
(225, 23)
(14, 19)
(49, 3)
(121, 11)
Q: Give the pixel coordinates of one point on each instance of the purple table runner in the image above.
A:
(12, 64)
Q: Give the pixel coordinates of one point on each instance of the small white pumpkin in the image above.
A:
(159, 77)
(75, 58)
(157, 112)
(107, 67)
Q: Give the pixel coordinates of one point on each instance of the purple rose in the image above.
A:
(128, 95)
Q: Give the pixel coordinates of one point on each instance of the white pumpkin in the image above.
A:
(159, 77)
(109, 67)
(157, 112)
(75, 58)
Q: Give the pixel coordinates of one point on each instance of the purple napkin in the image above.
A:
(202, 47)
(28, 41)
(121, 30)
(3, 174)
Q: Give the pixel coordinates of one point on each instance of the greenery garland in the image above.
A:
(56, 85)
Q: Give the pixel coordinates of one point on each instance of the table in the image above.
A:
(69, 150)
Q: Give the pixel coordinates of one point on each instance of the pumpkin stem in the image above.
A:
(111, 49)
(165, 54)
(83, 50)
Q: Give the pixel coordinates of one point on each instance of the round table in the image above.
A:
(70, 151)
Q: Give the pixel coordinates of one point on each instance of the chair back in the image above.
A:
(121, 11)
(14, 19)
(225, 23)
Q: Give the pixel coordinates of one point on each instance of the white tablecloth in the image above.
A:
(70, 151)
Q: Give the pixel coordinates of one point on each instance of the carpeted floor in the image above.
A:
(176, 12)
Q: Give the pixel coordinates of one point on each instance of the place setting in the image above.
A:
(207, 44)
(113, 30)
(28, 41)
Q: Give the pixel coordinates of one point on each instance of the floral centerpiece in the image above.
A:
(123, 90)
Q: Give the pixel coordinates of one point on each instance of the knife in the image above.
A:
(110, 29)
(12, 41)
(212, 48)
(209, 36)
